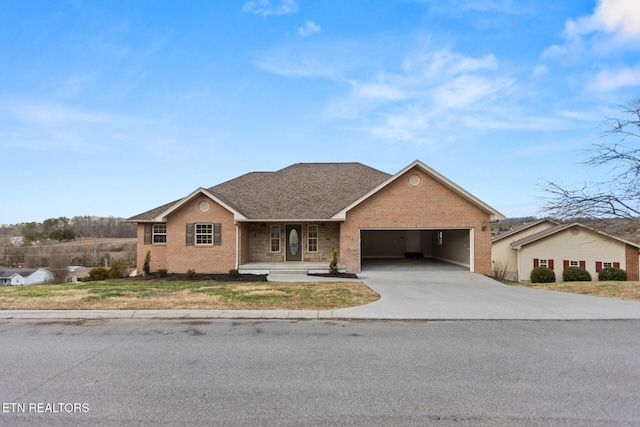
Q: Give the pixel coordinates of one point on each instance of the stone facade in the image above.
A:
(259, 242)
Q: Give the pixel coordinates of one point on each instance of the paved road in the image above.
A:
(223, 372)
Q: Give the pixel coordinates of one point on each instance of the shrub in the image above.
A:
(542, 275)
(333, 265)
(612, 273)
(233, 272)
(576, 274)
(146, 268)
(191, 274)
(119, 270)
(98, 273)
(162, 272)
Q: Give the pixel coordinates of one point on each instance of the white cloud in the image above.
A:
(309, 28)
(610, 80)
(49, 113)
(614, 25)
(621, 17)
(376, 91)
(44, 125)
(539, 70)
(265, 8)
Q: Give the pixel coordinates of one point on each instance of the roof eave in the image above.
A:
(495, 215)
(237, 216)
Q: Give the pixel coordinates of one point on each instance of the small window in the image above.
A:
(574, 264)
(204, 234)
(607, 264)
(439, 238)
(275, 238)
(159, 233)
(543, 263)
(313, 238)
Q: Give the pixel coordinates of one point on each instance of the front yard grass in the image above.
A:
(610, 289)
(124, 294)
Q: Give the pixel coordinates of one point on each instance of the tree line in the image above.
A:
(66, 229)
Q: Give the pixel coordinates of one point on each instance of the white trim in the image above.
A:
(472, 249)
(494, 214)
(237, 216)
(237, 245)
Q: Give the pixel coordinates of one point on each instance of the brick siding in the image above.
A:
(632, 263)
(428, 205)
(177, 257)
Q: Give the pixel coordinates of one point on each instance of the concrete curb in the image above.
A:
(166, 314)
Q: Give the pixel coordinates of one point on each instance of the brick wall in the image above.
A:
(633, 269)
(177, 257)
(429, 204)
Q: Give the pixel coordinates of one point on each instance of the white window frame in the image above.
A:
(543, 263)
(159, 234)
(203, 234)
(274, 240)
(574, 263)
(310, 238)
(607, 264)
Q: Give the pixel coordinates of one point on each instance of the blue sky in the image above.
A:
(114, 108)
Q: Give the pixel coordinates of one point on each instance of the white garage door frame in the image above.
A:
(409, 242)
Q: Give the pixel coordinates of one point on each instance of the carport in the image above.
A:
(428, 249)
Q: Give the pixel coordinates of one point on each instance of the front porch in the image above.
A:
(290, 267)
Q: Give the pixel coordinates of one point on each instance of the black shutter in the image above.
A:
(217, 234)
(147, 234)
(189, 234)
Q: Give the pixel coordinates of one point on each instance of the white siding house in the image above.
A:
(24, 276)
(565, 245)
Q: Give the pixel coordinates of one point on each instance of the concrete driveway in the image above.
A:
(423, 294)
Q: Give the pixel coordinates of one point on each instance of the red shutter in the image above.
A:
(565, 264)
(598, 266)
(616, 265)
(583, 264)
(536, 262)
(550, 264)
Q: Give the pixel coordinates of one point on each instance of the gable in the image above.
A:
(421, 181)
(526, 230)
(562, 232)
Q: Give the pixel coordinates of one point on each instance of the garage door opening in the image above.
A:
(441, 250)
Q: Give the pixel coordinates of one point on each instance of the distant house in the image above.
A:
(24, 276)
(295, 217)
(546, 243)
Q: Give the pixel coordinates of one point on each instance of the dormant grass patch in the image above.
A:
(121, 294)
(609, 289)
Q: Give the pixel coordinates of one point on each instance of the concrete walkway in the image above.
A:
(413, 295)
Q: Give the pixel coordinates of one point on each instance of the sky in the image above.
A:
(112, 108)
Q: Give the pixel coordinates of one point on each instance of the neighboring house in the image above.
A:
(24, 276)
(77, 273)
(298, 215)
(546, 243)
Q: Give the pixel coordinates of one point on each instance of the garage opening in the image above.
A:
(442, 250)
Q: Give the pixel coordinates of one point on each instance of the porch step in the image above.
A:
(272, 268)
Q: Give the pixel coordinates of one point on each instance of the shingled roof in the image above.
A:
(303, 191)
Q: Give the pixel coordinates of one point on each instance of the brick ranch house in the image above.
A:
(297, 216)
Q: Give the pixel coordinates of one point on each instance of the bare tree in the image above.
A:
(619, 195)
(58, 266)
